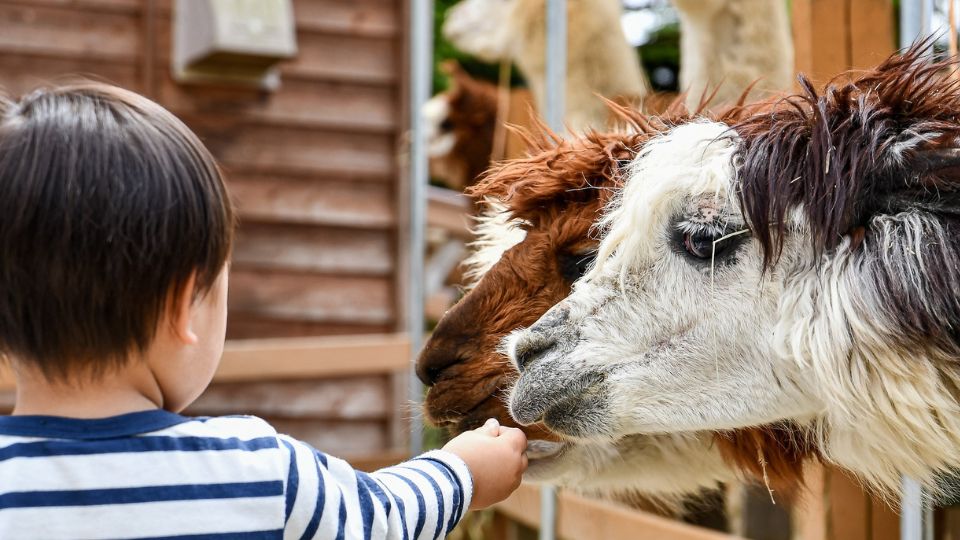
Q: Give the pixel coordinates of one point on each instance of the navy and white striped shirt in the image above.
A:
(156, 474)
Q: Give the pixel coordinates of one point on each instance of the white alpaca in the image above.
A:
(599, 59)
(804, 266)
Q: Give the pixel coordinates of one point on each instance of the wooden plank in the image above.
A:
(373, 462)
(361, 18)
(298, 102)
(341, 398)
(580, 517)
(313, 358)
(871, 32)
(884, 522)
(368, 18)
(850, 507)
(313, 249)
(289, 149)
(247, 326)
(821, 37)
(69, 33)
(300, 358)
(449, 210)
(298, 296)
(345, 58)
(811, 510)
(287, 199)
(20, 74)
(112, 6)
(337, 438)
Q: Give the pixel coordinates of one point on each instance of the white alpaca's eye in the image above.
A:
(700, 244)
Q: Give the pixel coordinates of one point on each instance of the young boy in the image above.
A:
(115, 230)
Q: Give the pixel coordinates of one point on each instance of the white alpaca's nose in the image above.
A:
(537, 340)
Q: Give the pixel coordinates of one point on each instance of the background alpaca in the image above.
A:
(731, 44)
(535, 244)
(805, 264)
(460, 128)
(599, 59)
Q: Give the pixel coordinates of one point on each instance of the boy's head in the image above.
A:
(111, 213)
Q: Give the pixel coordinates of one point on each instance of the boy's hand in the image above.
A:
(496, 459)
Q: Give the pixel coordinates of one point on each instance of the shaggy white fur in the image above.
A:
(495, 231)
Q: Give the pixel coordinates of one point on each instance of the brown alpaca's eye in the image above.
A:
(700, 244)
(446, 125)
(574, 265)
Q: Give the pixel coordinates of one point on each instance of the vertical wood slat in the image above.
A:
(850, 508)
(821, 37)
(835, 507)
(872, 32)
(833, 36)
(811, 510)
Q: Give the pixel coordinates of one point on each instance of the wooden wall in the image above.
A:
(313, 165)
(314, 169)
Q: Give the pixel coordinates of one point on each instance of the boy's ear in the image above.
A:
(181, 313)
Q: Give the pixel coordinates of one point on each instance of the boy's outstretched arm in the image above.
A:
(418, 499)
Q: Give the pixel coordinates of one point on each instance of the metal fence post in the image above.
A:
(421, 79)
(554, 107)
(915, 521)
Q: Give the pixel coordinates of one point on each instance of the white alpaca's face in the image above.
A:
(667, 333)
(481, 28)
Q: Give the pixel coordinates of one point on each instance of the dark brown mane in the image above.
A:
(846, 152)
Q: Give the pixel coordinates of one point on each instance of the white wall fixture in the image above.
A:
(232, 41)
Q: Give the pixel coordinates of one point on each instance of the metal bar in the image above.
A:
(554, 108)
(421, 73)
(556, 69)
(911, 511)
(915, 23)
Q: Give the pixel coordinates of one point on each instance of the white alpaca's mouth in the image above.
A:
(546, 460)
(540, 449)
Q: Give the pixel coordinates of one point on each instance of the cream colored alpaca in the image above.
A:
(599, 59)
(733, 43)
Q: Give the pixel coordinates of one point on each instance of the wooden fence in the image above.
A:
(338, 393)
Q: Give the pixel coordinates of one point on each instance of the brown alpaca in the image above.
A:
(557, 194)
(461, 124)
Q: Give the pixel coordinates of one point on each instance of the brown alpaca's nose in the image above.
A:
(434, 359)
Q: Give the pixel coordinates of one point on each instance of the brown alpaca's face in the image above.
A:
(468, 375)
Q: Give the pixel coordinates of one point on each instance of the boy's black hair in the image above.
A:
(108, 205)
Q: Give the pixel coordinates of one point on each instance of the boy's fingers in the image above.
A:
(490, 427)
(516, 437)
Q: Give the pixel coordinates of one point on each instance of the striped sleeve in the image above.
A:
(423, 498)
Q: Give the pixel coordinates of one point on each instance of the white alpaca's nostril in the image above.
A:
(530, 347)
